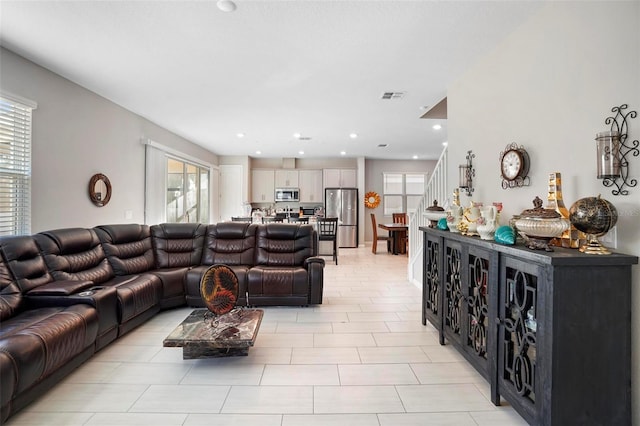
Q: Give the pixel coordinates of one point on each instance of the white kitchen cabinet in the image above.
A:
(310, 186)
(262, 186)
(339, 178)
(286, 178)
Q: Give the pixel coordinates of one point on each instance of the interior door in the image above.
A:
(231, 180)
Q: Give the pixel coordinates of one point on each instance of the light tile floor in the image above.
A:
(362, 358)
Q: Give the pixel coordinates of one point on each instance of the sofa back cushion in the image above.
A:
(74, 254)
(25, 262)
(10, 295)
(177, 244)
(230, 243)
(280, 244)
(127, 247)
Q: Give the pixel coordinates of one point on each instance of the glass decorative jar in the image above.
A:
(539, 226)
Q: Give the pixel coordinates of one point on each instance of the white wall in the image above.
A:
(77, 133)
(549, 86)
(374, 169)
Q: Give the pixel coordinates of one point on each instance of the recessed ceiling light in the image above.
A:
(445, 143)
(226, 5)
(343, 152)
(353, 135)
(258, 152)
(437, 127)
(240, 135)
(415, 157)
(301, 152)
(297, 135)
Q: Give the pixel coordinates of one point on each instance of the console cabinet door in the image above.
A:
(310, 186)
(453, 306)
(519, 312)
(262, 186)
(432, 282)
(479, 288)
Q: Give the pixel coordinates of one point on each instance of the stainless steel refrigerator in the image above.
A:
(343, 204)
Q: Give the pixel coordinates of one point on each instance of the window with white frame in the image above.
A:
(187, 192)
(15, 165)
(402, 192)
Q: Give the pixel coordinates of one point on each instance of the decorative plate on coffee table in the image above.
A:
(219, 289)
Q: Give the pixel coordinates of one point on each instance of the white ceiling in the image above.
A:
(271, 68)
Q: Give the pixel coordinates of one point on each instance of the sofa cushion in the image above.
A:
(279, 244)
(74, 254)
(39, 341)
(127, 247)
(177, 244)
(273, 285)
(25, 262)
(230, 243)
(10, 295)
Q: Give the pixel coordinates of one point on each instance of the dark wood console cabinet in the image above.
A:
(550, 331)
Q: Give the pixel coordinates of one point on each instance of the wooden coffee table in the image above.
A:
(232, 335)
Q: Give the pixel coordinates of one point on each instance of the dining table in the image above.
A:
(398, 232)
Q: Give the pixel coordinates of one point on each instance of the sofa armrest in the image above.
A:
(61, 288)
(313, 260)
(315, 270)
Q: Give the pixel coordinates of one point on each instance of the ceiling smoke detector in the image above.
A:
(392, 95)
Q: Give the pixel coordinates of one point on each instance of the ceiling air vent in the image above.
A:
(392, 95)
(304, 138)
(382, 145)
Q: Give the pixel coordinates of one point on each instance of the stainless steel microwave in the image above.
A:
(287, 194)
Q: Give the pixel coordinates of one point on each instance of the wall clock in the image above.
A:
(514, 166)
(371, 200)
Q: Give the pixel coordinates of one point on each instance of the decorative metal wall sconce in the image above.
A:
(467, 173)
(614, 152)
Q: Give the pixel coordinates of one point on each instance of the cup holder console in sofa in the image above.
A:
(67, 293)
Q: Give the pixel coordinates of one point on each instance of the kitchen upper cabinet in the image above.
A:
(310, 186)
(339, 178)
(287, 179)
(262, 186)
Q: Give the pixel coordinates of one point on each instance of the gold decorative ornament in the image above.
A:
(371, 200)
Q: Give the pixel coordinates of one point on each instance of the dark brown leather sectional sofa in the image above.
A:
(65, 294)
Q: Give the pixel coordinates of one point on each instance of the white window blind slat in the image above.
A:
(15, 167)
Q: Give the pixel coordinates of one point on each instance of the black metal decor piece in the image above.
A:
(520, 324)
(618, 123)
(467, 173)
(453, 289)
(478, 312)
(433, 278)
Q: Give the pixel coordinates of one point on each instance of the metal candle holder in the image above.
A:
(614, 150)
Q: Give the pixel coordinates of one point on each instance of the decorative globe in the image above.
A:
(594, 216)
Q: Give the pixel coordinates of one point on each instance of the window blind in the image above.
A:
(15, 166)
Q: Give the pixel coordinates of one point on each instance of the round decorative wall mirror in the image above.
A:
(99, 189)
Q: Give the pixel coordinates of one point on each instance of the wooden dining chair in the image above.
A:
(376, 237)
(402, 218)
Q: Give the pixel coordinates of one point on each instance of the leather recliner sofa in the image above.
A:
(67, 293)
